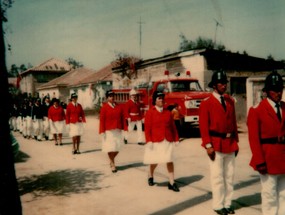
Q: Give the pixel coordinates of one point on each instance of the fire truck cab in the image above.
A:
(184, 91)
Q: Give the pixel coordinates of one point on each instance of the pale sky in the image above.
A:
(92, 31)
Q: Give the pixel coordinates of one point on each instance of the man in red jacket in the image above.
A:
(219, 134)
(134, 116)
(266, 132)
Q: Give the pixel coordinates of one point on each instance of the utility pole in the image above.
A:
(140, 32)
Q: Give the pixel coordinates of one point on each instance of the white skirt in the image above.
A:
(161, 152)
(113, 141)
(76, 129)
(57, 127)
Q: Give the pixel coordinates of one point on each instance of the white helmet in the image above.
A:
(133, 92)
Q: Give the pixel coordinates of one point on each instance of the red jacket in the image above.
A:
(56, 114)
(133, 110)
(74, 114)
(263, 123)
(212, 117)
(111, 118)
(160, 126)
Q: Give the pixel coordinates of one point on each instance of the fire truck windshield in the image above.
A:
(185, 85)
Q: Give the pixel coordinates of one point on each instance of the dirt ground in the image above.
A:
(54, 181)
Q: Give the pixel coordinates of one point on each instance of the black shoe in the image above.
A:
(140, 143)
(222, 211)
(125, 141)
(173, 187)
(74, 152)
(113, 168)
(60, 144)
(230, 210)
(150, 182)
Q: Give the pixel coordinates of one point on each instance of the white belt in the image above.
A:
(134, 114)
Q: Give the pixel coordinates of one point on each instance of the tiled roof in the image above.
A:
(104, 74)
(52, 65)
(71, 78)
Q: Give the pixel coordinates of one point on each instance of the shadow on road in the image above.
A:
(247, 201)
(244, 201)
(132, 165)
(61, 182)
(21, 157)
(184, 181)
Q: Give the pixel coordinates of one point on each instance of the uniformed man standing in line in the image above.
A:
(134, 116)
(266, 132)
(37, 117)
(218, 128)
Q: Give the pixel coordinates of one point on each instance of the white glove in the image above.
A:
(149, 145)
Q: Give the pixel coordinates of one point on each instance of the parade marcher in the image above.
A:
(134, 116)
(218, 128)
(56, 117)
(112, 125)
(37, 117)
(75, 117)
(14, 112)
(161, 136)
(27, 128)
(46, 125)
(266, 133)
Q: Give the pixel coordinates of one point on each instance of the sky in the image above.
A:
(94, 31)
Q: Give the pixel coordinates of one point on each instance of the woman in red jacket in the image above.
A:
(161, 135)
(111, 127)
(75, 118)
(56, 117)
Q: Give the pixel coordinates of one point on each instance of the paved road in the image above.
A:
(53, 181)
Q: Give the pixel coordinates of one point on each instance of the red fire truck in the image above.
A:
(185, 91)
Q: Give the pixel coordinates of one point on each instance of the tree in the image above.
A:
(199, 43)
(74, 63)
(9, 195)
(270, 57)
(126, 64)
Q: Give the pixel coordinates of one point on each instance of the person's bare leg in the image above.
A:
(60, 139)
(55, 139)
(170, 169)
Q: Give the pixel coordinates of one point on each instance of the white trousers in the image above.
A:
(38, 128)
(222, 178)
(27, 126)
(139, 132)
(273, 194)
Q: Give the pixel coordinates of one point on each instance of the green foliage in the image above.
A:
(5, 4)
(74, 63)
(14, 70)
(199, 43)
(126, 64)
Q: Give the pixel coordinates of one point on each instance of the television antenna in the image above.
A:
(217, 25)
(140, 23)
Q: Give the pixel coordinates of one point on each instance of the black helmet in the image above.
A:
(273, 82)
(155, 95)
(218, 77)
